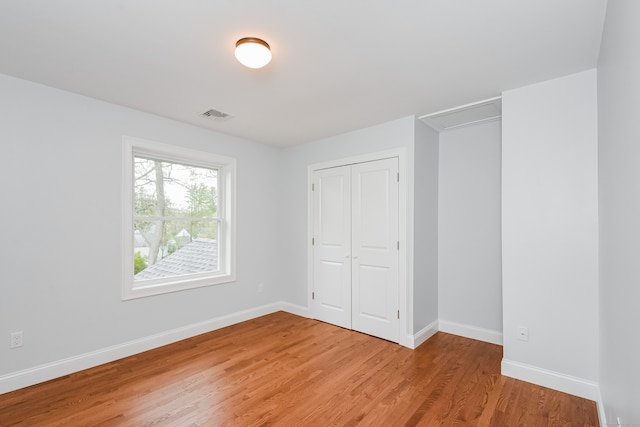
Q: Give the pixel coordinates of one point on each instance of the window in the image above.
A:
(179, 219)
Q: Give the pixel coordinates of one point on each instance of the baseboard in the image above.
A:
(473, 332)
(565, 383)
(49, 371)
(413, 341)
(296, 309)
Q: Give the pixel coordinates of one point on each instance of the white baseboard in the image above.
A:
(565, 383)
(532, 374)
(49, 371)
(413, 341)
(473, 332)
(296, 309)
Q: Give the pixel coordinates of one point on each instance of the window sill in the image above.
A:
(142, 290)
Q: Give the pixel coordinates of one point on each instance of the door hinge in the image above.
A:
(313, 295)
(313, 187)
(313, 241)
(398, 176)
(398, 314)
(398, 245)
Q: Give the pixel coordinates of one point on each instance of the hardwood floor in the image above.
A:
(286, 370)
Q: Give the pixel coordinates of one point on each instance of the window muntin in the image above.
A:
(179, 219)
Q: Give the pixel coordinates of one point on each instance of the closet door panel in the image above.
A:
(332, 246)
(373, 292)
(374, 193)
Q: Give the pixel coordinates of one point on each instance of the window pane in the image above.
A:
(171, 189)
(164, 245)
(174, 248)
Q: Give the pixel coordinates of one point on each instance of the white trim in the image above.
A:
(405, 234)
(431, 119)
(361, 158)
(471, 123)
(473, 332)
(296, 309)
(226, 166)
(565, 383)
(461, 107)
(20, 379)
(602, 415)
(414, 341)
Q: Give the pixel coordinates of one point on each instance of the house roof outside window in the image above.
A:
(198, 256)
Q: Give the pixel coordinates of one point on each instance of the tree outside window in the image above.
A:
(174, 204)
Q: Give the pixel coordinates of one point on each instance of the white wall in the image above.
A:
(469, 229)
(60, 262)
(619, 179)
(550, 233)
(425, 230)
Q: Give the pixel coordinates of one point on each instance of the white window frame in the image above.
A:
(226, 238)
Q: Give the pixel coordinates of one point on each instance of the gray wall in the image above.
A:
(619, 186)
(425, 230)
(61, 261)
(62, 203)
(550, 232)
(469, 249)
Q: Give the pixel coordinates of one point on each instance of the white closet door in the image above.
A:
(375, 255)
(332, 246)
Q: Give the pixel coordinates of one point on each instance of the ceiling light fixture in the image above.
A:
(253, 52)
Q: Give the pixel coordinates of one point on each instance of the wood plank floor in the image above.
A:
(284, 370)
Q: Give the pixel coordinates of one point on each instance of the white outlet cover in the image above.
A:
(16, 339)
(523, 333)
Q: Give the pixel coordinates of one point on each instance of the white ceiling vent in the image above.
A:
(465, 115)
(216, 115)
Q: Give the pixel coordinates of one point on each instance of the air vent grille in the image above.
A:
(216, 115)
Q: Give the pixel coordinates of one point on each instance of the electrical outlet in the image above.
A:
(16, 339)
(260, 287)
(523, 333)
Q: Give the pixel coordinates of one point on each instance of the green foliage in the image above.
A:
(202, 200)
(144, 202)
(171, 246)
(139, 263)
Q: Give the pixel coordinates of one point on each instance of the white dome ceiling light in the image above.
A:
(253, 52)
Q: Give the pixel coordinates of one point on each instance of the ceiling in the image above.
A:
(337, 65)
